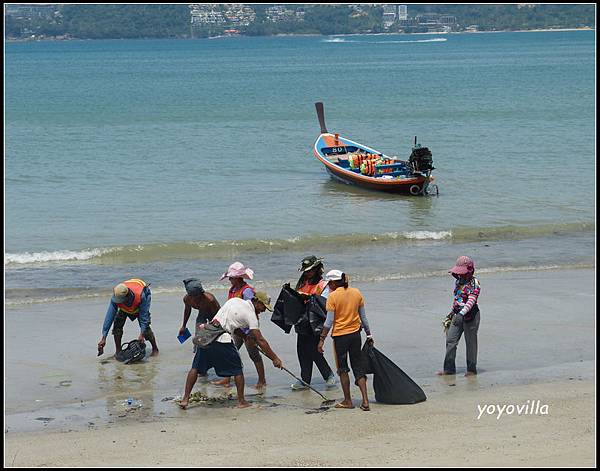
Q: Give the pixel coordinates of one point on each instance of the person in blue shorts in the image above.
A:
(235, 316)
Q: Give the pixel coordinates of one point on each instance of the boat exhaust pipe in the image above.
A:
(321, 116)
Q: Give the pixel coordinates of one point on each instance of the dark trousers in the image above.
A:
(119, 323)
(308, 354)
(453, 335)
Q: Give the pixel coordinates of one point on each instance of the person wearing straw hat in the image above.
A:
(131, 299)
(310, 282)
(237, 273)
(346, 317)
(464, 316)
(235, 316)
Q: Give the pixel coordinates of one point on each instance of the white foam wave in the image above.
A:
(427, 235)
(337, 40)
(406, 41)
(53, 256)
(434, 40)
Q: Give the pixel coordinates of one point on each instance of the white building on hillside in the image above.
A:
(390, 15)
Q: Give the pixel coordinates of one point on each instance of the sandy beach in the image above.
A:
(444, 431)
(65, 407)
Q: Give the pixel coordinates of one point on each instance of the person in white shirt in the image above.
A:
(236, 315)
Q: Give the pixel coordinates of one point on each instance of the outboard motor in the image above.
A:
(421, 159)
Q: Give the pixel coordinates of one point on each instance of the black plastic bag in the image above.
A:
(302, 327)
(391, 384)
(277, 316)
(289, 308)
(317, 313)
(131, 352)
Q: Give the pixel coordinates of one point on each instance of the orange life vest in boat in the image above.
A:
(385, 162)
(368, 167)
(136, 286)
(356, 160)
(239, 293)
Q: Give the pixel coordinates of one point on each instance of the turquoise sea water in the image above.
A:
(166, 159)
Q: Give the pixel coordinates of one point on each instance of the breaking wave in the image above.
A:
(218, 249)
(54, 256)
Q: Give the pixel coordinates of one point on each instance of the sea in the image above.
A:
(171, 159)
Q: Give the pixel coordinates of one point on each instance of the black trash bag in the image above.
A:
(302, 327)
(277, 317)
(317, 313)
(131, 352)
(288, 309)
(391, 384)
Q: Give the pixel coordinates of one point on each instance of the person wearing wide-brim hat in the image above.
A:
(311, 283)
(464, 316)
(238, 273)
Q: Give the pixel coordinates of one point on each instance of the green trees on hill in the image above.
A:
(490, 17)
(126, 21)
(115, 21)
(320, 19)
(103, 21)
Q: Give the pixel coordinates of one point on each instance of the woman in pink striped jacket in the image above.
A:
(464, 316)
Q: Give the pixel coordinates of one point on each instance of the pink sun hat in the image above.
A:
(463, 266)
(238, 270)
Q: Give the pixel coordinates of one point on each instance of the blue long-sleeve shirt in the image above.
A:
(144, 314)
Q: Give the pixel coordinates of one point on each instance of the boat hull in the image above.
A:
(412, 185)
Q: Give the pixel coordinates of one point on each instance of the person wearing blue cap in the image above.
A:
(196, 298)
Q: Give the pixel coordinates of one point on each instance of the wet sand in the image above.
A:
(537, 338)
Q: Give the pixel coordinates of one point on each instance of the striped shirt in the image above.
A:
(465, 295)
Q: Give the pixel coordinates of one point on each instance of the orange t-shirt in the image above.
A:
(345, 304)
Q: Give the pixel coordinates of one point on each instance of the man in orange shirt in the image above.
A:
(346, 315)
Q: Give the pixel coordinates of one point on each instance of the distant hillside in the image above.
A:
(515, 17)
(106, 22)
(120, 21)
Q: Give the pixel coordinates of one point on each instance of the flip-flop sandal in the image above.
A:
(365, 408)
(339, 405)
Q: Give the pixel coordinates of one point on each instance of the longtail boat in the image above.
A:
(357, 164)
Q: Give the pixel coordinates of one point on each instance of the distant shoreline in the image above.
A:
(547, 30)
(465, 32)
